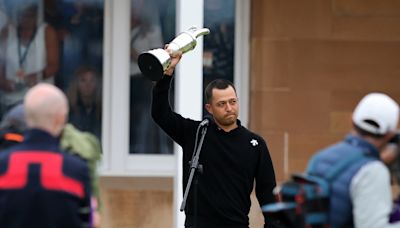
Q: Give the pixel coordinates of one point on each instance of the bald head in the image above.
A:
(46, 108)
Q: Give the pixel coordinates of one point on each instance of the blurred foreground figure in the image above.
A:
(83, 144)
(41, 186)
(12, 127)
(361, 196)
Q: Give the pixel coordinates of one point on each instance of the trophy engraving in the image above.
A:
(154, 62)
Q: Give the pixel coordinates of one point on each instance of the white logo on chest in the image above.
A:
(254, 142)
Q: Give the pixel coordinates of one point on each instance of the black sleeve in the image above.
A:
(172, 123)
(265, 177)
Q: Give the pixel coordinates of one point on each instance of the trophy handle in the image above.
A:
(186, 41)
(199, 32)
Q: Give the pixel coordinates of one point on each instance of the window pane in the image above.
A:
(218, 55)
(152, 25)
(54, 41)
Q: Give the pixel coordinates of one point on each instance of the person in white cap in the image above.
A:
(361, 196)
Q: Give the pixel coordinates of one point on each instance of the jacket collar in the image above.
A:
(237, 129)
(360, 142)
(40, 136)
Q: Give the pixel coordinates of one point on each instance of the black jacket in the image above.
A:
(231, 162)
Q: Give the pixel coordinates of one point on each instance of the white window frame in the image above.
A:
(242, 58)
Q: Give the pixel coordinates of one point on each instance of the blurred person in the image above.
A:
(233, 158)
(85, 100)
(87, 146)
(361, 196)
(390, 156)
(4, 23)
(4, 16)
(81, 36)
(390, 153)
(82, 144)
(12, 127)
(31, 53)
(218, 55)
(40, 185)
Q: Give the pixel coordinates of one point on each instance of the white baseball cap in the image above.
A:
(376, 113)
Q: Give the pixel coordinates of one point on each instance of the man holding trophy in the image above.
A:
(232, 157)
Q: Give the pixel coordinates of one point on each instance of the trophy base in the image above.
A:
(150, 66)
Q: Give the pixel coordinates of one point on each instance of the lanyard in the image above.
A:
(22, 56)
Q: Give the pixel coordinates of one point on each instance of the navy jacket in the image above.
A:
(41, 186)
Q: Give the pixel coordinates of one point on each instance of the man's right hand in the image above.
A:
(174, 61)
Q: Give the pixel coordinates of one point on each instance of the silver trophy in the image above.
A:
(154, 62)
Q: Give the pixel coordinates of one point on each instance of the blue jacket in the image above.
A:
(40, 186)
(340, 202)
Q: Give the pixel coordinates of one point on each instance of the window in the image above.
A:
(152, 24)
(218, 55)
(58, 42)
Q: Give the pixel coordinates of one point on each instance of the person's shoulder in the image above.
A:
(9, 140)
(373, 173)
(254, 138)
(49, 29)
(374, 167)
(73, 160)
(75, 167)
(324, 153)
(332, 148)
(251, 133)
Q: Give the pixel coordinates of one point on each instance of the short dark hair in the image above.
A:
(217, 84)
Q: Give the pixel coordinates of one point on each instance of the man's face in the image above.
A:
(224, 107)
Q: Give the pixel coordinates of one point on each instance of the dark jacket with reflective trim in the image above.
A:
(9, 137)
(41, 186)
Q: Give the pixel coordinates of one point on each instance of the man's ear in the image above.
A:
(59, 121)
(208, 108)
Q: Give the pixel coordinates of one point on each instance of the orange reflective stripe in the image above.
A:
(14, 137)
